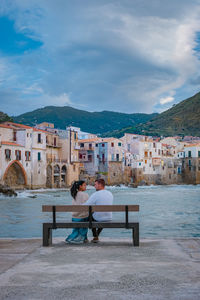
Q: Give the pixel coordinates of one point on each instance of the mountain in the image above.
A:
(182, 119)
(93, 122)
(4, 117)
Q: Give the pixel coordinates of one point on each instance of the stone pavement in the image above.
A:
(112, 269)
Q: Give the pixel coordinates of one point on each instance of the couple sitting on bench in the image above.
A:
(100, 197)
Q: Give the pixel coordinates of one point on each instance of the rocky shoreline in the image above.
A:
(8, 191)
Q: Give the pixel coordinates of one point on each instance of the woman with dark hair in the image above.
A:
(78, 235)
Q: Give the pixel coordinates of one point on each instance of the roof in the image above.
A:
(110, 140)
(12, 125)
(89, 140)
(193, 145)
(11, 144)
(5, 126)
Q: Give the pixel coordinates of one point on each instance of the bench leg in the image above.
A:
(47, 236)
(135, 232)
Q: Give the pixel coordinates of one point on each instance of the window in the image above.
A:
(96, 145)
(117, 157)
(189, 162)
(39, 138)
(145, 161)
(27, 134)
(80, 156)
(198, 153)
(189, 154)
(112, 144)
(90, 158)
(129, 147)
(18, 154)
(103, 158)
(74, 168)
(158, 151)
(113, 158)
(103, 145)
(54, 141)
(82, 145)
(14, 136)
(170, 176)
(90, 146)
(154, 145)
(28, 155)
(119, 144)
(150, 153)
(8, 154)
(179, 170)
(140, 164)
(39, 156)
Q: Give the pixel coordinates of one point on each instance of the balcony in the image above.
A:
(56, 160)
(156, 162)
(51, 144)
(86, 148)
(77, 147)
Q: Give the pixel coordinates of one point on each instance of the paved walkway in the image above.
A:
(112, 269)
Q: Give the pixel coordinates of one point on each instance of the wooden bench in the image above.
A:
(48, 227)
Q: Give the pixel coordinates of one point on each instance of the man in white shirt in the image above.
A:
(100, 197)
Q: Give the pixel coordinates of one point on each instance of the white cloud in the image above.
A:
(122, 55)
(166, 100)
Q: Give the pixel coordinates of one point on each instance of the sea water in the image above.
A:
(165, 211)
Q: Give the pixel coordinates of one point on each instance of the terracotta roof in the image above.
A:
(109, 139)
(11, 124)
(89, 140)
(5, 126)
(41, 130)
(10, 143)
(193, 145)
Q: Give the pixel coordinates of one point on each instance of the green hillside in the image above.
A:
(182, 119)
(4, 117)
(94, 122)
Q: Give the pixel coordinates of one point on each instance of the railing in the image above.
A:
(56, 160)
(57, 145)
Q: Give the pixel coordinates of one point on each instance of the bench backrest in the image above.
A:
(82, 208)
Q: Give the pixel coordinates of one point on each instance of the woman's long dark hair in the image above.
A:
(75, 188)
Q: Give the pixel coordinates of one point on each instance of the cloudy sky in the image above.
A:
(120, 55)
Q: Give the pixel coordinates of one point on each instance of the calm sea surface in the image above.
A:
(165, 211)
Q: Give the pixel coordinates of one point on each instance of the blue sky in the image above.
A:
(121, 55)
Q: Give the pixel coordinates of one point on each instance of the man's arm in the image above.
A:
(91, 200)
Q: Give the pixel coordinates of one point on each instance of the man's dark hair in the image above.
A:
(101, 181)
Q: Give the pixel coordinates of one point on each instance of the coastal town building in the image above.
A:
(37, 157)
(191, 164)
(47, 157)
(22, 156)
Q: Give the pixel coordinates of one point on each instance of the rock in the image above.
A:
(133, 185)
(142, 183)
(6, 190)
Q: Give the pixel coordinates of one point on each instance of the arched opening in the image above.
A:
(15, 176)
(56, 176)
(63, 175)
(49, 182)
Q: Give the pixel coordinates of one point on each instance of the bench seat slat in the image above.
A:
(95, 208)
(94, 225)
